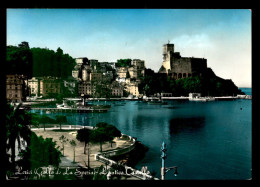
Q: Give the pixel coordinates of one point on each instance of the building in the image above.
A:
(93, 64)
(179, 67)
(15, 88)
(139, 65)
(122, 72)
(132, 88)
(85, 88)
(95, 76)
(70, 84)
(34, 86)
(117, 89)
(82, 69)
(50, 85)
(133, 72)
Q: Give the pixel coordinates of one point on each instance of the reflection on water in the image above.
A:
(181, 124)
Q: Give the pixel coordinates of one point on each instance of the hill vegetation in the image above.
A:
(38, 62)
(207, 85)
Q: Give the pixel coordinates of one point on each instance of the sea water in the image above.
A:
(206, 140)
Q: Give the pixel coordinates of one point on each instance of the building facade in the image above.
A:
(15, 88)
(117, 89)
(122, 72)
(34, 86)
(132, 87)
(85, 88)
(50, 85)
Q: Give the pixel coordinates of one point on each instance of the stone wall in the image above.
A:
(181, 65)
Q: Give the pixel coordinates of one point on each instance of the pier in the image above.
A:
(71, 110)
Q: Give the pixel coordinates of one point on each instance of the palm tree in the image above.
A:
(18, 129)
(63, 140)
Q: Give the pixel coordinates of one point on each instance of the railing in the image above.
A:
(102, 157)
(122, 150)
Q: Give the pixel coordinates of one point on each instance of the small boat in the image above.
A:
(61, 106)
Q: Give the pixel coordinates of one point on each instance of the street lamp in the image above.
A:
(164, 169)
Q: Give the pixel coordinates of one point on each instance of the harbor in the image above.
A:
(194, 132)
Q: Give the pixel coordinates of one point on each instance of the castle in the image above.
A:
(178, 67)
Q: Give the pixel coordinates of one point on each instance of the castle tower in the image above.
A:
(168, 50)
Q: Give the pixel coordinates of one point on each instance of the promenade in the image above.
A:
(81, 158)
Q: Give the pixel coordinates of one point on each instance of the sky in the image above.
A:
(222, 36)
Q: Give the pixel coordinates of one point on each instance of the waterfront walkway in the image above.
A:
(81, 158)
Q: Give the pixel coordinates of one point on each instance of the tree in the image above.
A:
(55, 64)
(123, 63)
(19, 60)
(104, 132)
(61, 119)
(39, 152)
(111, 130)
(45, 119)
(83, 135)
(98, 135)
(35, 120)
(73, 144)
(18, 129)
(63, 140)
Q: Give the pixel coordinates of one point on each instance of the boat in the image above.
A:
(48, 112)
(61, 106)
(82, 107)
